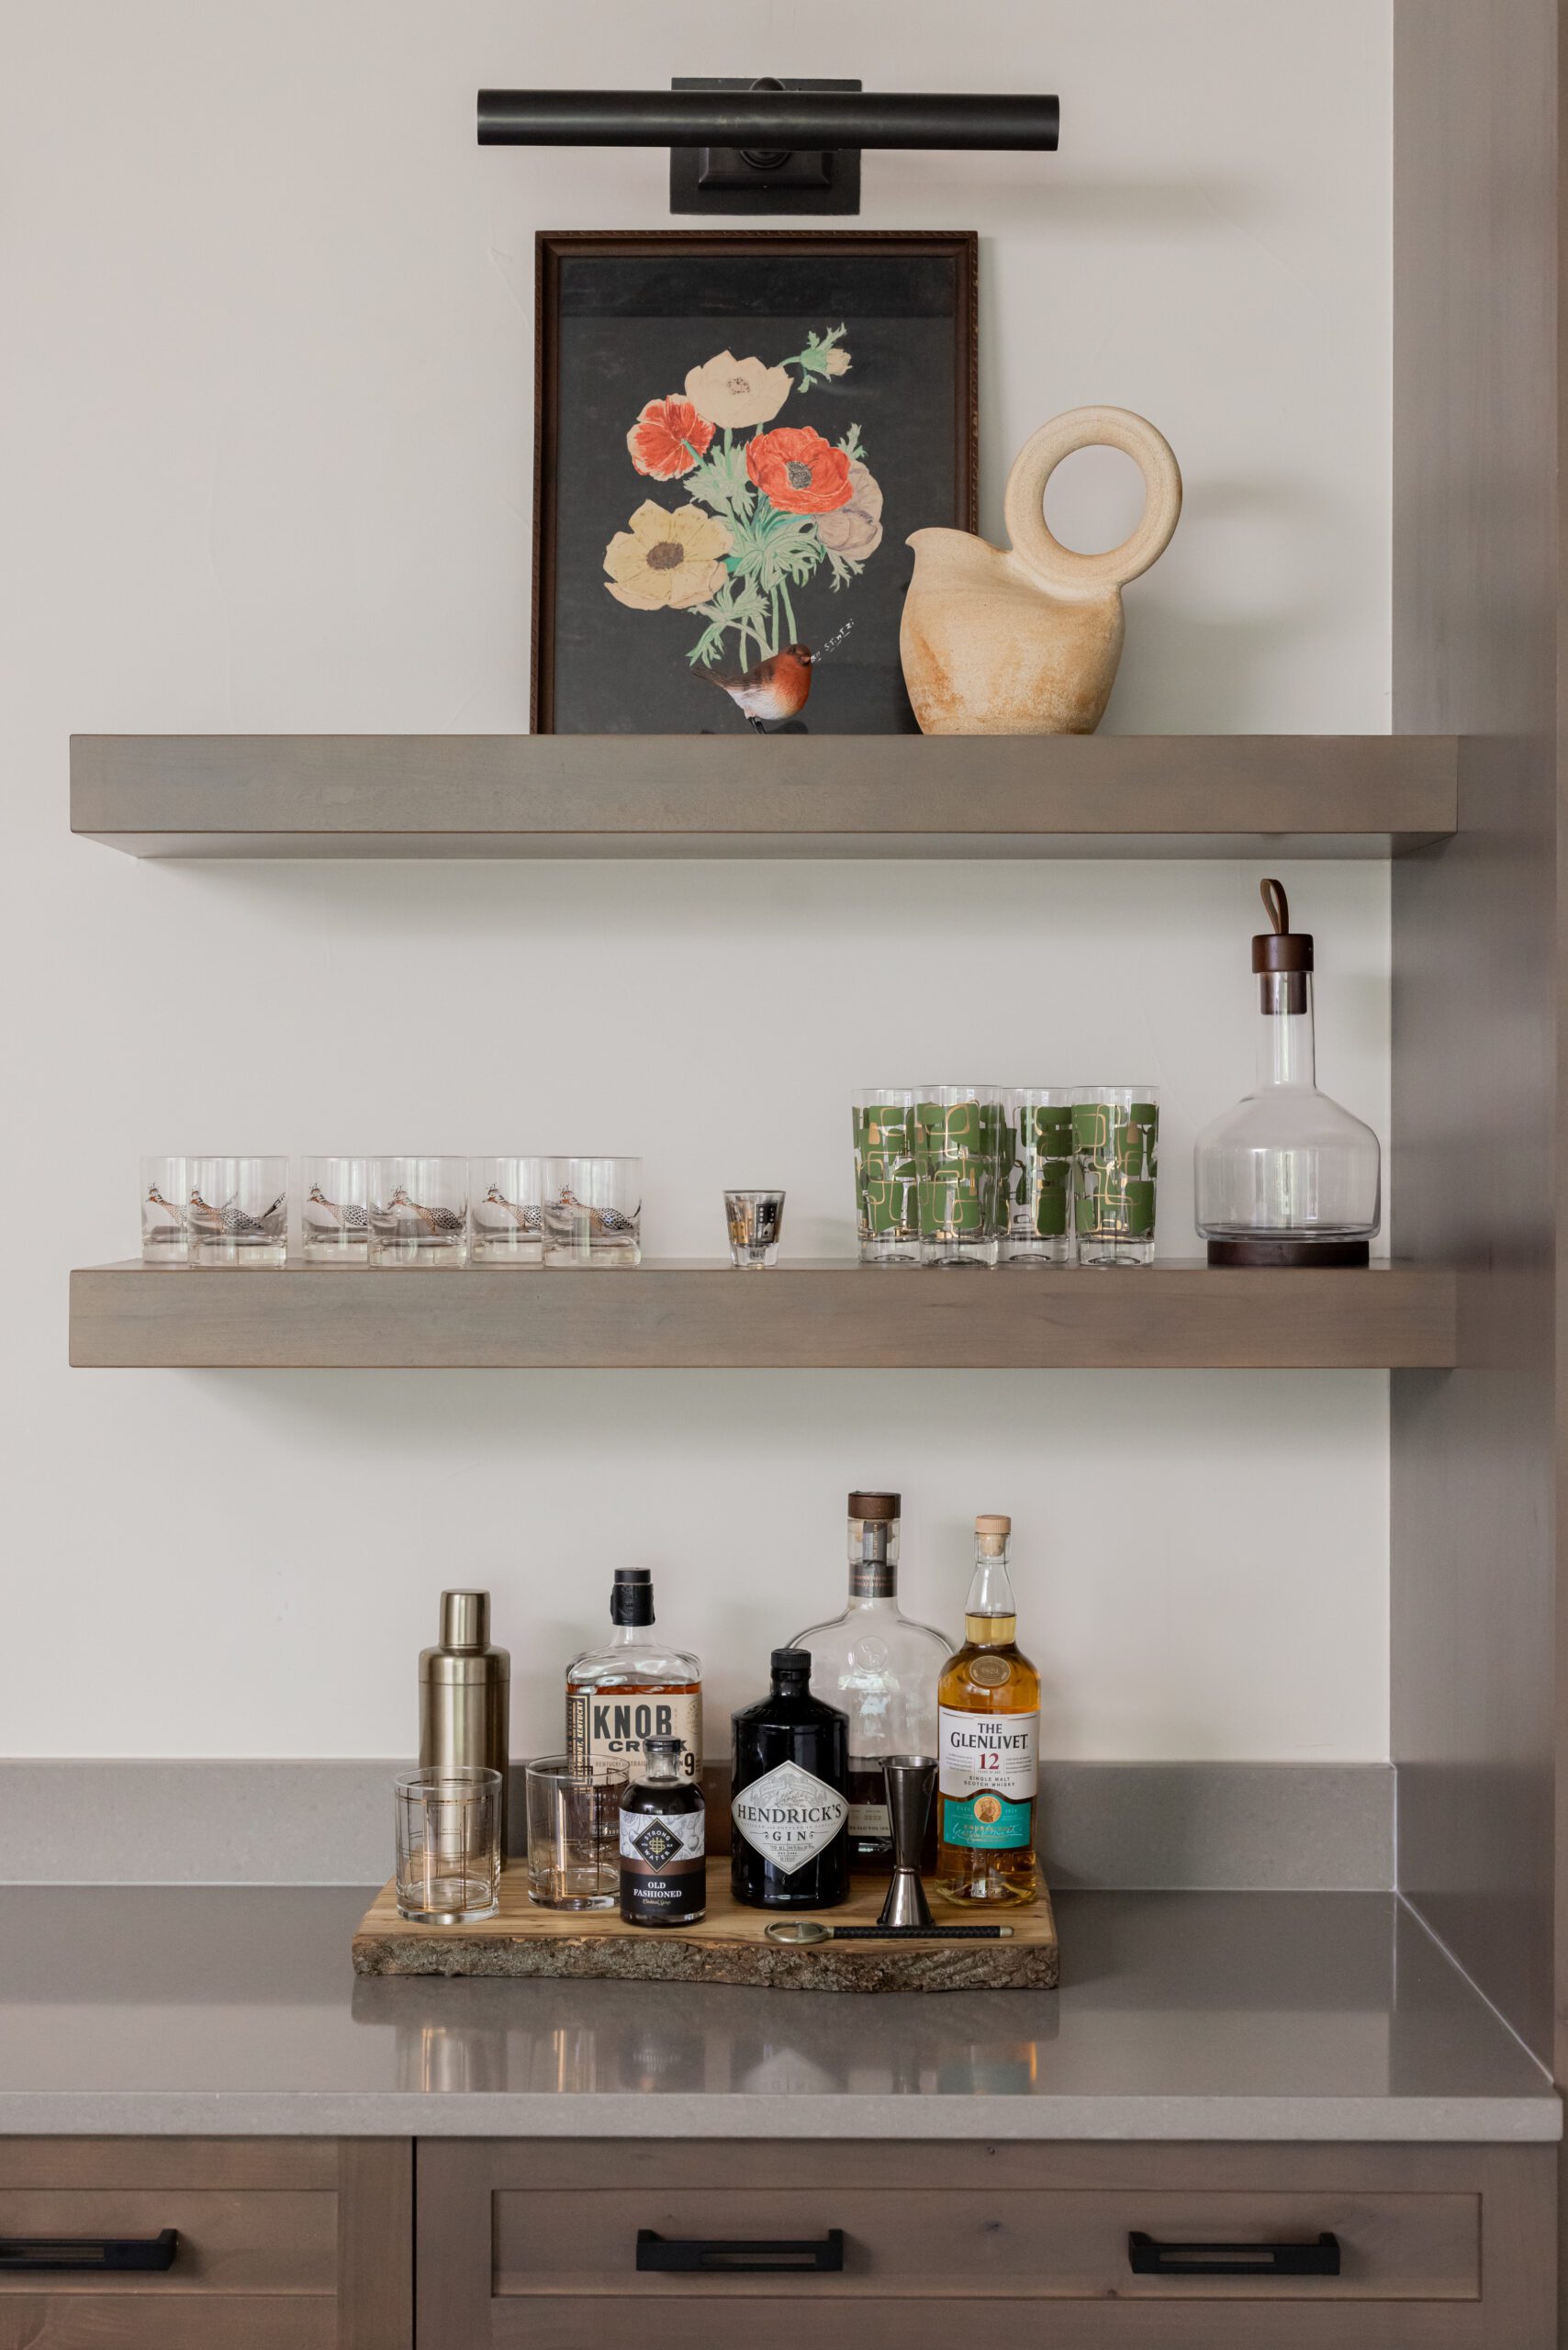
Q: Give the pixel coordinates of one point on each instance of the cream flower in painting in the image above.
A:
(738, 392)
(855, 530)
(664, 558)
(838, 362)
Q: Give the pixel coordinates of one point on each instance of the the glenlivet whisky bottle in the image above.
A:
(882, 1669)
(989, 1730)
(632, 1688)
(789, 1812)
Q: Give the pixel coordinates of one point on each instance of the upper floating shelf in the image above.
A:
(775, 796)
(679, 1317)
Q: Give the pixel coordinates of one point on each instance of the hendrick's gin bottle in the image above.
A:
(790, 1848)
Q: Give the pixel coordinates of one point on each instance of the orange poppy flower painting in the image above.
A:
(757, 471)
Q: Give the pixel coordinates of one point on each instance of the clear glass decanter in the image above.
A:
(881, 1668)
(1287, 1177)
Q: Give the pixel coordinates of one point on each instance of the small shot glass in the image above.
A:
(506, 1208)
(574, 1837)
(887, 1224)
(593, 1213)
(756, 1221)
(1037, 1174)
(165, 1196)
(418, 1213)
(957, 1170)
(334, 1211)
(1115, 1164)
(449, 1843)
(237, 1212)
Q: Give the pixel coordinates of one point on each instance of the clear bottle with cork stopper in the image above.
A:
(1287, 1177)
(882, 1669)
(465, 1693)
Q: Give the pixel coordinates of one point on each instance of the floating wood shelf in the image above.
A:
(784, 795)
(675, 1315)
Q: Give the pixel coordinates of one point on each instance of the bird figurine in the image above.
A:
(231, 1221)
(155, 1199)
(609, 1223)
(526, 1218)
(434, 1220)
(771, 690)
(351, 1218)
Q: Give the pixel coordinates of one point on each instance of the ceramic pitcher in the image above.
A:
(1025, 639)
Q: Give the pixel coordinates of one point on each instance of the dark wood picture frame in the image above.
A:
(553, 248)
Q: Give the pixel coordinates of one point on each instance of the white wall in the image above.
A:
(266, 443)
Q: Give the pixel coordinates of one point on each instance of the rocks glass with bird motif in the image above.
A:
(506, 1207)
(593, 1213)
(237, 1210)
(334, 1211)
(418, 1213)
(165, 1193)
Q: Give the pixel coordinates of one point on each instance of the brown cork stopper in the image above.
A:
(880, 1508)
(994, 1526)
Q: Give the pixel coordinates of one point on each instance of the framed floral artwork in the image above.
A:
(734, 436)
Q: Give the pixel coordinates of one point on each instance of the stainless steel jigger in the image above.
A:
(911, 1782)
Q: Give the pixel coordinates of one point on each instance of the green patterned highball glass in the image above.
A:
(884, 1175)
(1037, 1174)
(962, 1205)
(1115, 1162)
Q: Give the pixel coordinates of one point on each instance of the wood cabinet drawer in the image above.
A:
(978, 2245)
(1441, 2248)
(282, 2244)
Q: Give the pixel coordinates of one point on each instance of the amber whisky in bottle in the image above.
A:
(632, 1688)
(988, 1744)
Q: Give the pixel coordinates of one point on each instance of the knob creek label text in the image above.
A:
(605, 1732)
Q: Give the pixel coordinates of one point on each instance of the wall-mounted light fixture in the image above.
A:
(766, 146)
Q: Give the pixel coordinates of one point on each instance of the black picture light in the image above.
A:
(765, 146)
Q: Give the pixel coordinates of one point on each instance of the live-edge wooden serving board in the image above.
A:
(729, 1946)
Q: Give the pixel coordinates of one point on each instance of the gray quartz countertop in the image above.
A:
(233, 2010)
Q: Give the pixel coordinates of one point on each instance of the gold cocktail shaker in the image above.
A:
(465, 1692)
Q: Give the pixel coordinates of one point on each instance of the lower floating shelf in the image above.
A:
(731, 1946)
(674, 1316)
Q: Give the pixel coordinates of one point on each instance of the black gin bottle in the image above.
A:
(790, 1845)
(664, 1875)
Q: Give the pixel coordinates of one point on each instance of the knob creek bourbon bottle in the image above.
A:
(789, 1812)
(632, 1688)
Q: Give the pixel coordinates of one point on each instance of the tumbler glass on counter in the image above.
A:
(593, 1212)
(449, 1843)
(237, 1212)
(1115, 1163)
(958, 1146)
(1037, 1174)
(506, 1210)
(574, 1837)
(335, 1212)
(418, 1213)
(755, 1221)
(165, 1196)
(886, 1220)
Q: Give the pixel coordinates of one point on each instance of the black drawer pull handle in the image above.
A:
(1151, 2259)
(61, 2253)
(759, 2257)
